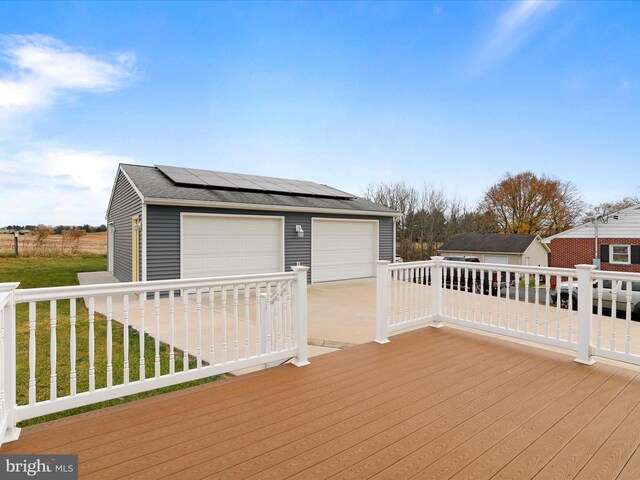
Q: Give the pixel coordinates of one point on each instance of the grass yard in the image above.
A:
(33, 272)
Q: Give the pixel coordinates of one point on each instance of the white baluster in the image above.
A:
(396, 296)
(109, 342)
(526, 302)
(247, 352)
(270, 338)
(32, 352)
(92, 344)
(498, 297)
(600, 294)
(558, 301)
(490, 304)
(259, 333)
(172, 333)
(570, 310)
(199, 328)
(53, 383)
(236, 323)
(547, 303)
(482, 299)
(185, 325)
(391, 307)
(537, 300)
(156, 359)
(223, 296)
(459, 293)
(507, 297)
(125, 337)
(72, 347)
(212, 336)
(517, 302)
(627, 343)
(141, 304)
(289, 315)
(474, 278)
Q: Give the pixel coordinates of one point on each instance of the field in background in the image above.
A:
(91, 243)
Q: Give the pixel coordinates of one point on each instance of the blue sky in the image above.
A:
(342, 93)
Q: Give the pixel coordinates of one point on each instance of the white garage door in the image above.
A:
(222, 245)
(343, 249)
(499, 259)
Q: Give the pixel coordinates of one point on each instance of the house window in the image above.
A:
(621, 254)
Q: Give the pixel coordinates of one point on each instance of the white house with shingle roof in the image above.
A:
(506, 249)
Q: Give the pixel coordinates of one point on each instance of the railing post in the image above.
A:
(299, 301)
(585, 307)
(382, 301)
(436, 292)
(8, 429)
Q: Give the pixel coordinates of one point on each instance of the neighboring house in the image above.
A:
(611, 242)
(172, 222)
(506, 249)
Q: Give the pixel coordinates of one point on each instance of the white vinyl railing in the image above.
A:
(537, 304)
(168, 332)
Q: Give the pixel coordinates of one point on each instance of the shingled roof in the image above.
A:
(488, 243)
(155, 186)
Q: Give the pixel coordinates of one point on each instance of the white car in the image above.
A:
(609, 287)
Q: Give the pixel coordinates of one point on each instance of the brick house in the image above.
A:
(611, 242)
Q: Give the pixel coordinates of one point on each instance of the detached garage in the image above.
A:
(499, 248)
(173, 222)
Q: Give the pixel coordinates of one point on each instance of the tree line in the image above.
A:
(58, 229)
(522, 203)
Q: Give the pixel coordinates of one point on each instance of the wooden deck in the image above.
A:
(430, 404)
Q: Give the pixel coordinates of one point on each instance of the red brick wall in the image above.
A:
(569, 252)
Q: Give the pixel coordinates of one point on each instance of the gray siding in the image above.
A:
(163, 232)
(124, 206)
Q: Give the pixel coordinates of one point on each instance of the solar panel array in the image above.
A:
(254, 183)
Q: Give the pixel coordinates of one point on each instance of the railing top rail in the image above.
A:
(400, 266)
(620, 276)
(79, 291)
(512, 268)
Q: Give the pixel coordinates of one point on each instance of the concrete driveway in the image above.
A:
(342, 313)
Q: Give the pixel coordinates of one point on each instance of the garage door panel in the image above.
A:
(230, 245)
(343, 249)
(499, 259)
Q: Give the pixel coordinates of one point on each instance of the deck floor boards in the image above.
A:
(432, 403)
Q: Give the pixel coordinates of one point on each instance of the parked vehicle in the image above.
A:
(609, 287)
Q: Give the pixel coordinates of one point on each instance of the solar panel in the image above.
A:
(254, 183)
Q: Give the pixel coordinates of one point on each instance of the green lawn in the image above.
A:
(36, 272)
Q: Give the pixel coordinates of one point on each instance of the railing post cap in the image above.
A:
(585, 267)
(299, 268)
(437, 257)
(9, 286)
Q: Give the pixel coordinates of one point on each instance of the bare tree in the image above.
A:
(606, 208)
(428, 219)
(40, 234)
(71, 240)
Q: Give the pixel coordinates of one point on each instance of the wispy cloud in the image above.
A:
(41, 69)
(42, 181)
(517, 24)
(50, 184)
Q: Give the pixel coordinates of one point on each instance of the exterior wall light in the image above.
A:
(300, 231)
